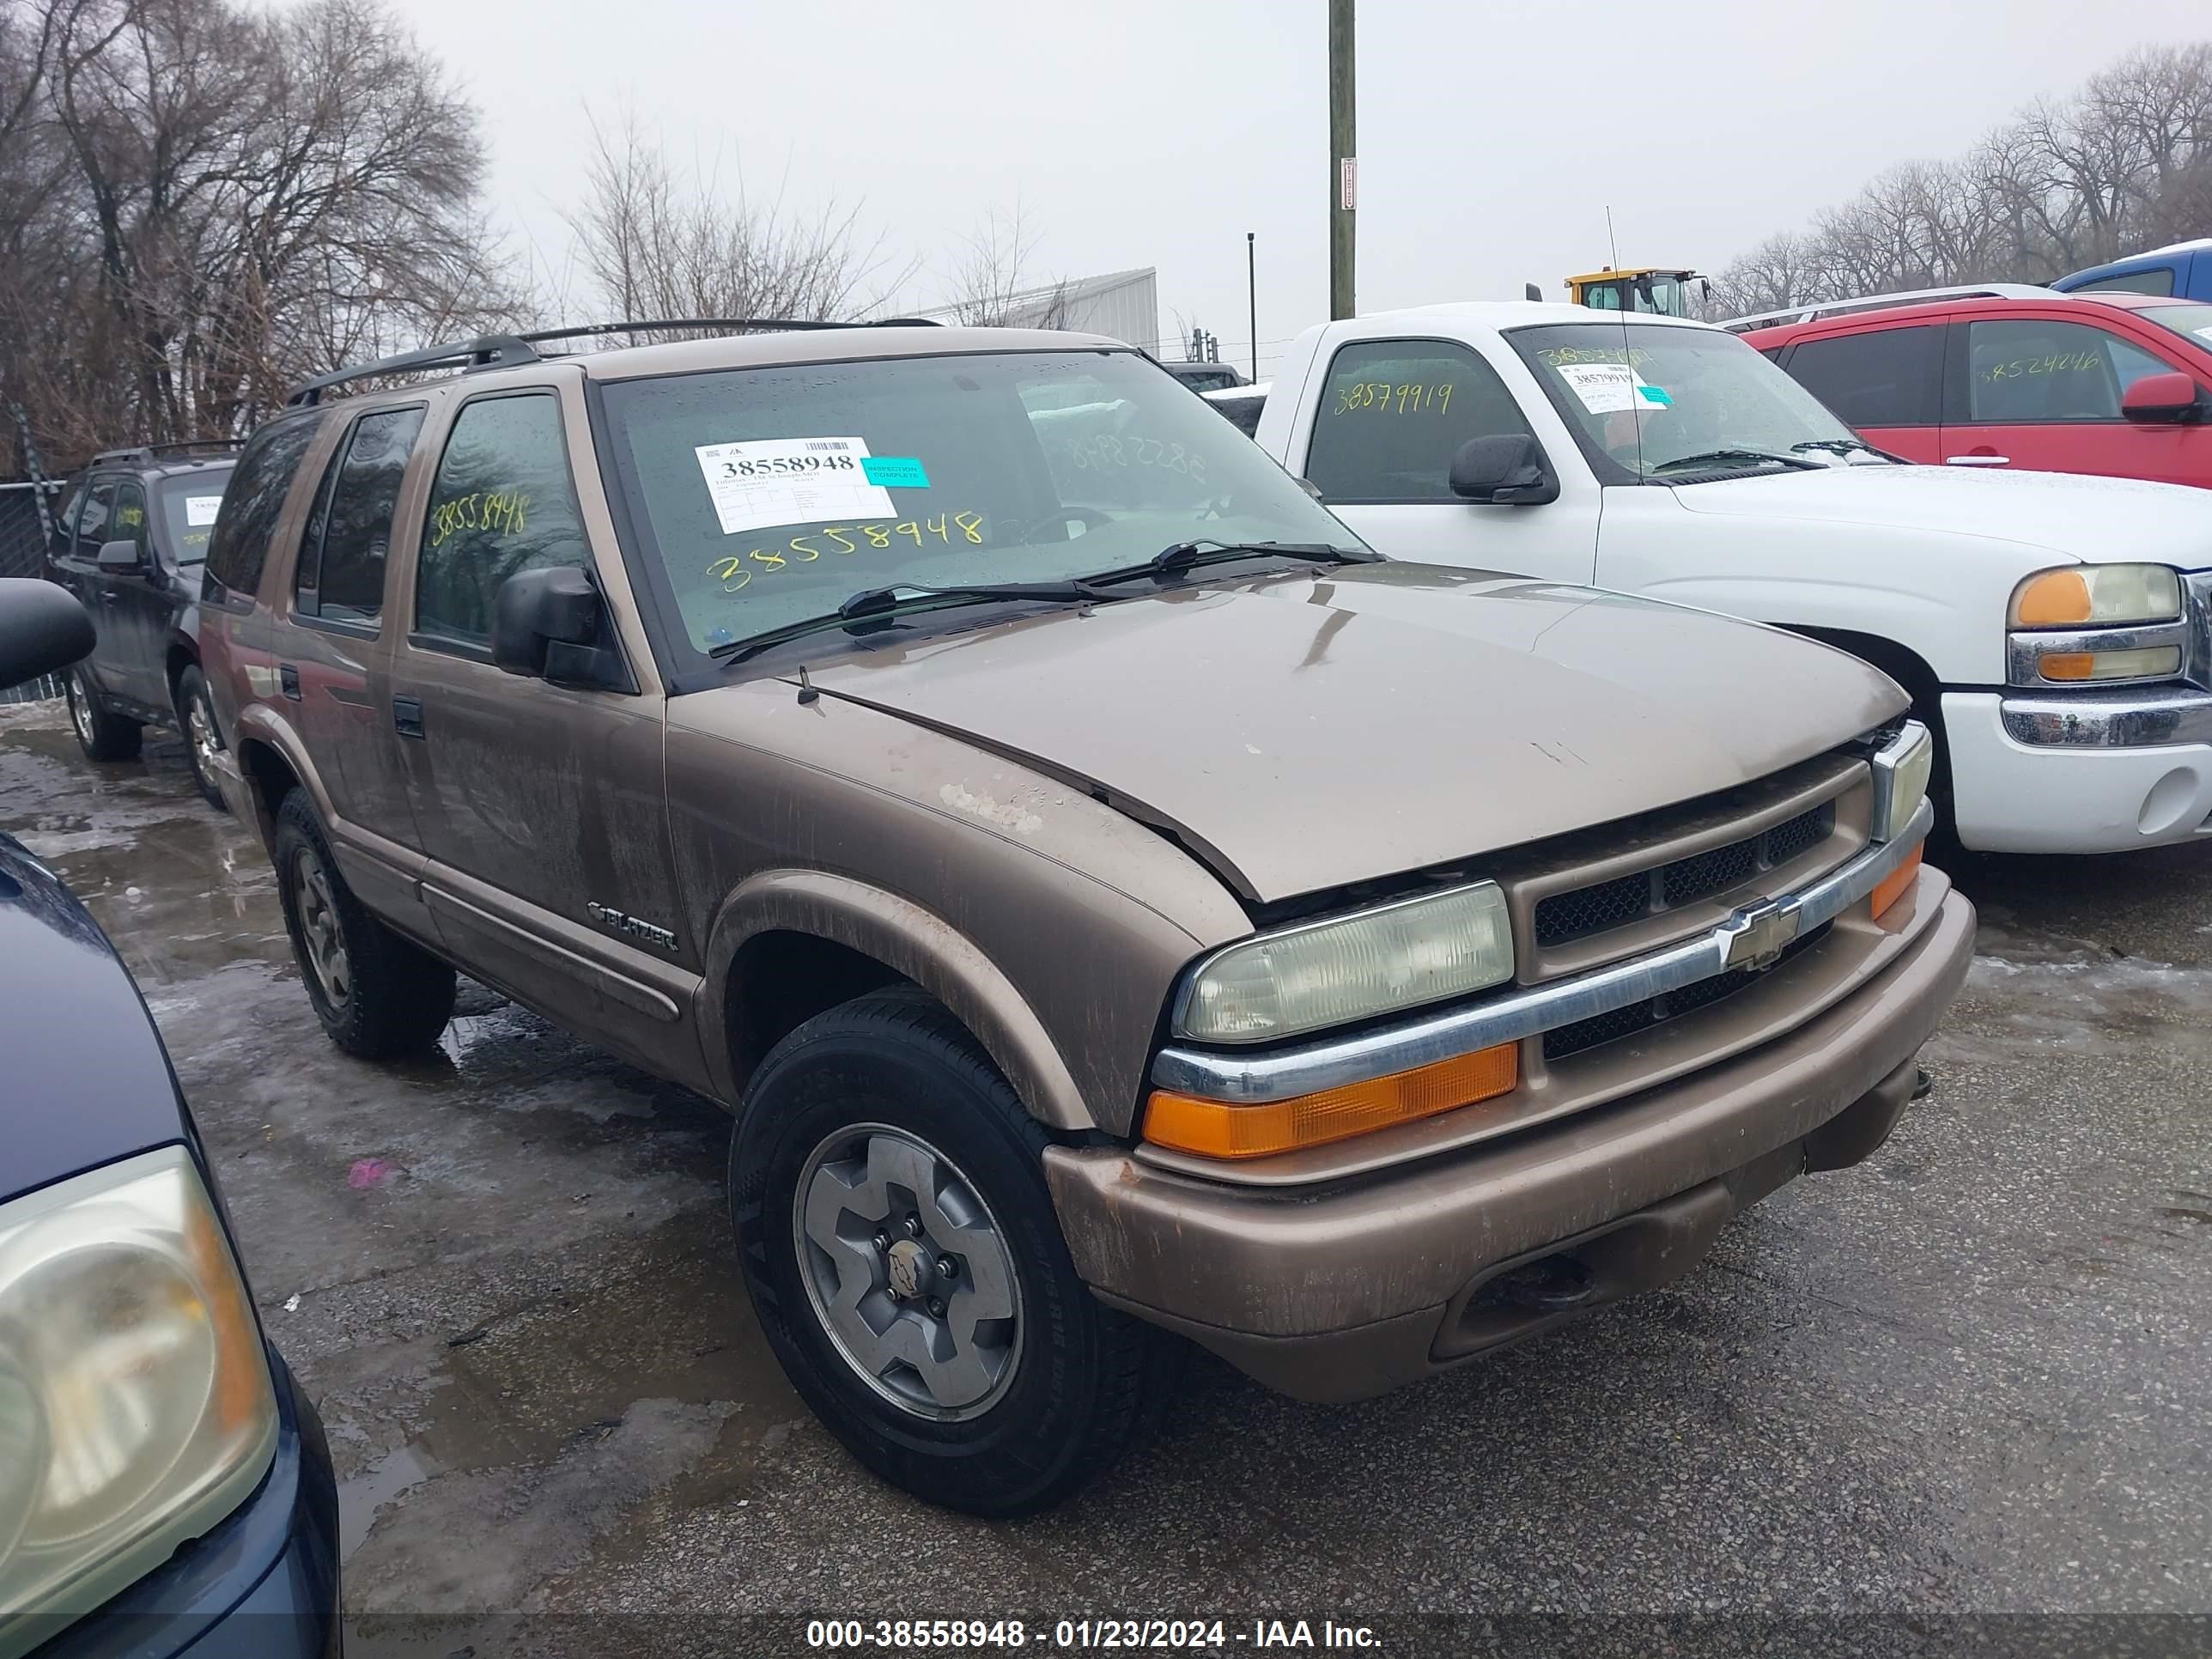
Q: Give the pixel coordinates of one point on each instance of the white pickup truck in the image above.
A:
(2054, 629)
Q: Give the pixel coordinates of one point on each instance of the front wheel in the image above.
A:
(103, 736)
(377, 995)
(202, 737)
(901, 1250)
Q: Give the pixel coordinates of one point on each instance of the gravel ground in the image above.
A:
(1967, 1378)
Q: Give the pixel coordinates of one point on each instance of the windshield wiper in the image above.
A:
(1186, 556)
(873, 602)
(1719, 457)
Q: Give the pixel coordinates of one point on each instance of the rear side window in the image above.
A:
(1882, 377)
(2158, 279)
(503, 502)
(2026, 371)
(341, 554)
(1393, 415)
(255, 501)
(92, 527)
(65, 521)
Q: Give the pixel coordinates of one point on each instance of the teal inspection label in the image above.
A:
(894, 472)
(1652, 394)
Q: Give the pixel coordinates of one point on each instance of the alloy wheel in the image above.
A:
(80, 706)
(321, 934)
(199, 733)
(907, 1271)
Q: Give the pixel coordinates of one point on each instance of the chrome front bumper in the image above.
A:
(2142, 717)
(1743, 939)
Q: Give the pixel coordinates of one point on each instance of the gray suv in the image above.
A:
(130, 541)
(1115, 904)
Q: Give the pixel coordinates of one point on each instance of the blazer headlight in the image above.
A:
(1901, 769)
(1350, 967)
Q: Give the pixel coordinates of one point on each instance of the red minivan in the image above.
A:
(2119, 384)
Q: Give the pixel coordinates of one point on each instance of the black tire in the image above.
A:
(1081, 1375)
(392, 998)
(103, 736)
(203, 736)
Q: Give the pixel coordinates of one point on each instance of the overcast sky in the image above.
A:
(1492, 133)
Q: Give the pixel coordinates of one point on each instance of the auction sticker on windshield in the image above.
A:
(1609, 388)
(777, 481)
(200, 510)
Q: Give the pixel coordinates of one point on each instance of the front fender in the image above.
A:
(908, 938)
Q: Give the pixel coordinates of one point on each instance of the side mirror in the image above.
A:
(1505, 470)
(2166, 399)
(120, 555)
(43, 629)
(537, 610)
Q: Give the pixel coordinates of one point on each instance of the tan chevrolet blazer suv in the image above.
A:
(1115, 905)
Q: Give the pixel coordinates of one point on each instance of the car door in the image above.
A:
(1392, 415)
(541, 805)
(1885, 384)
(139, 606)
(336, 657)
(89, 582)
(2042, 391)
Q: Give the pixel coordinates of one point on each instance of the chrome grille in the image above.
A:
(1600, 1029)
(1562, 917)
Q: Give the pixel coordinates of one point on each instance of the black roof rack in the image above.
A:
(150, 451)
(505, 350)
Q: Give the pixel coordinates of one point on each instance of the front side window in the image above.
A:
(341, 576)
(768, 496)
(187, 506)
(1884, 377)
(1393, 415)
(1657, 403)
(130, 521)
(250, 506)
(502, 503)
(2026, 371)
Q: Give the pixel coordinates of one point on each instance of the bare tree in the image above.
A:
(654, 242)
(2123, 163)
(992, 283)
(201, 204)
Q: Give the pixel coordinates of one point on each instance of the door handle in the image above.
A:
(108, 596)
(407, 717)
(1978, 460)
(288, 680)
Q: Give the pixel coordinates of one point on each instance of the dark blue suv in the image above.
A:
(163, 1487)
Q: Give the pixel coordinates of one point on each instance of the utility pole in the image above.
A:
(1344, 159)
(1252, 301)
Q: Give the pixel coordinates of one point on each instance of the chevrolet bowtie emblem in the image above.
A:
(1757, 935)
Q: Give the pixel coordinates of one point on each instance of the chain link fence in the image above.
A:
(23, 553)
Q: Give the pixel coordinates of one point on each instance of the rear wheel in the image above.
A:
(377, 995)
(105, 737)
(202, 737)
(905, 1257)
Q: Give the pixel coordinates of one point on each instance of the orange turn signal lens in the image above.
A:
(2067, 665)
(1215, 1128)
(2057, 599)
(1892, 886)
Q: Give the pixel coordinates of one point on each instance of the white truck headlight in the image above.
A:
(2092, 595)
(1901, 769)
(135, 1404)
(1351, 968)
